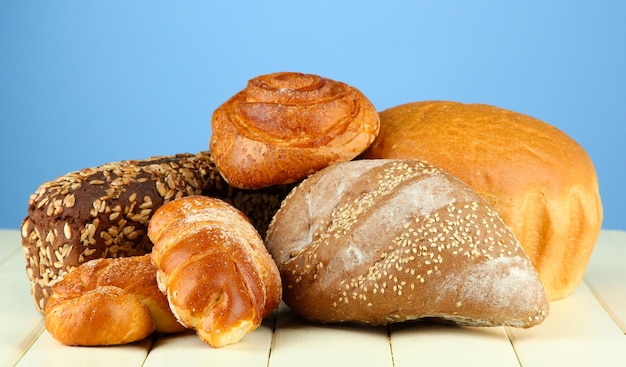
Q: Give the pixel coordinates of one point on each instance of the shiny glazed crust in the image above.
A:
(213, 266)
(539, 180)
(285, 126)
(109, 302)
(384, 241)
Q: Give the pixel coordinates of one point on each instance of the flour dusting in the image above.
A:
(502, 282)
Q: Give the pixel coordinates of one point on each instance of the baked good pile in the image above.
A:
(431, 210)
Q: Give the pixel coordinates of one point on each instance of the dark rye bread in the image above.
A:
(104, 211)
(384, 241)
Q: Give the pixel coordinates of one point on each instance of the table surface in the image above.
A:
(588, 328)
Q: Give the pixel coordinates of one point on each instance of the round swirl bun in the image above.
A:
(284, 126)
(539, 180)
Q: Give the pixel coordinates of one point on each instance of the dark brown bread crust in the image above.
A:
(104, 211)
(383, 241)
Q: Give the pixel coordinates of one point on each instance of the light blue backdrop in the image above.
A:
(88, 82)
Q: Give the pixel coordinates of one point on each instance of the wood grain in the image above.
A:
(585, 329)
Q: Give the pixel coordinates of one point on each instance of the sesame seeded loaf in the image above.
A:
(104, 211)
(384, 241)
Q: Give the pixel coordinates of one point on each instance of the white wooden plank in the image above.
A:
(578, 332)
(9, 244)
(606, 274)
(21, 323)
(301, 343)
(429, 344)
(188, 350)
(48, 352)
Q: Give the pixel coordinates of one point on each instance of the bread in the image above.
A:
(539, 180)
(285, 126)
(212, 265)
(104, 211)
(109, 302)
(385, 241)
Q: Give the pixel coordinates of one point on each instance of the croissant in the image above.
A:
(213, 266)
(107, 302)
(284, 126)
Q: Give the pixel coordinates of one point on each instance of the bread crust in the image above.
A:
(109, 302)
(104, 211)
(384, 241)
(540, 181)
(284, 126)
(213, 266)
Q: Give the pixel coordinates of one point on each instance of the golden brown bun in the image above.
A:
(540, 181)
(285, 126)
(107, 302)
(213, 266)
(382, 241)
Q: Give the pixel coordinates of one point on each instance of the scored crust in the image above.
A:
(381, 241)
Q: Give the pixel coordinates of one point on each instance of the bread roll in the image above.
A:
(109, 302)
(383, 241)
(284, 126)
(104, 211)
(213, 266)
(539, 180)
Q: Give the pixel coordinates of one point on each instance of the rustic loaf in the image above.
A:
(104, 211)
(540, 181)
(383, 241)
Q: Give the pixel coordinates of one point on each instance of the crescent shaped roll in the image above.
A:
(213, 266)
(109, 302)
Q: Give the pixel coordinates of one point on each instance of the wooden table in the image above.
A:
(585, 329)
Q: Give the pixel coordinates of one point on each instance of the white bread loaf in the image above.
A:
(541, 182)
(382, 241)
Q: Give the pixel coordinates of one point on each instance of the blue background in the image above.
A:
(83, 83)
